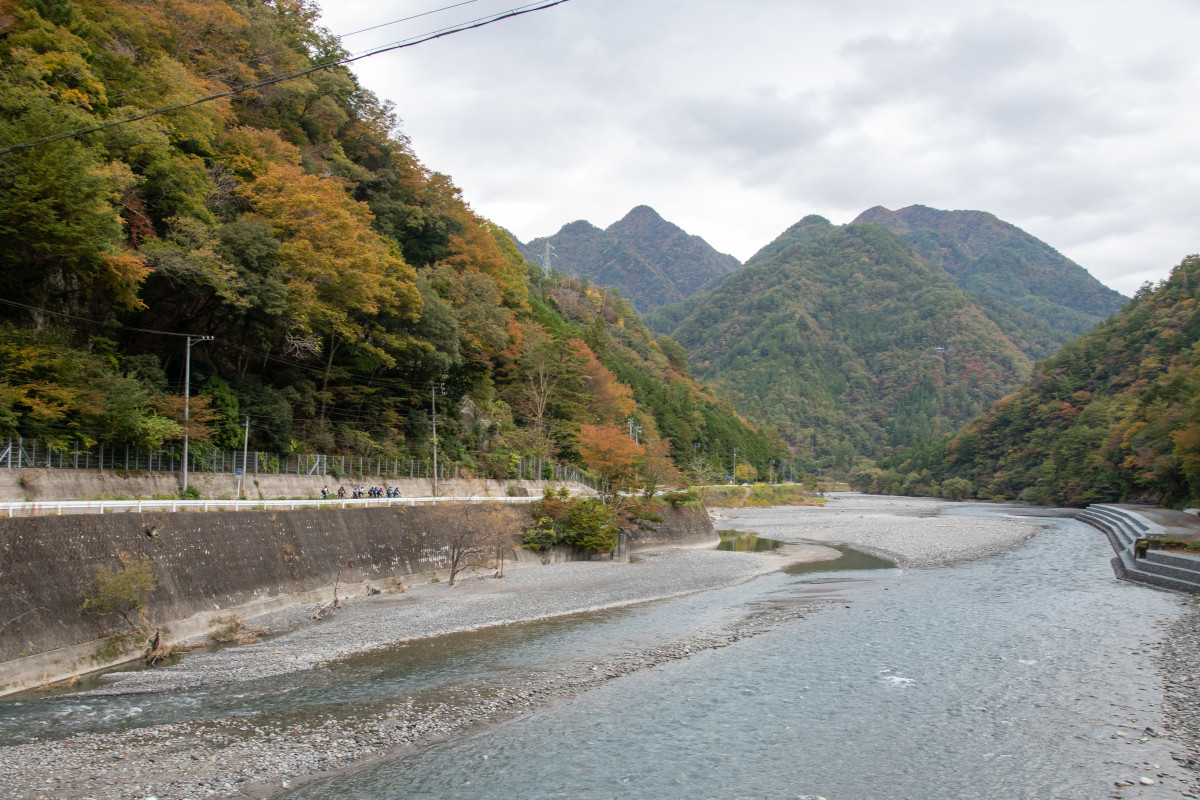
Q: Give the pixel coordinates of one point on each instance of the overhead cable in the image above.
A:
(478, 23)
(255, 60)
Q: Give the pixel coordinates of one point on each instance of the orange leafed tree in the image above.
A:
(338, 268)
(611, 400)
(613, 456)
(657, 470)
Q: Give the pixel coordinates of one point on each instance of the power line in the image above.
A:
(478, 23)
(90, 321)
(255, 60)
(371, 381)
(405, 19)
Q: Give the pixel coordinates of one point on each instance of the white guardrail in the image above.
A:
(53, 508)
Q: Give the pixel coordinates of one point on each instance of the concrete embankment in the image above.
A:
(211, 565)
(1136, 537)
(46, 485)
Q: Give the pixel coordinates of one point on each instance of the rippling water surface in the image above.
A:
(1016, 676)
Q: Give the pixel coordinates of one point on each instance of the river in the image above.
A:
(1027, 674)
(1023, 675)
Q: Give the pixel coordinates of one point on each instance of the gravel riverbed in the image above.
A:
(1178, 661)
(912, 531)
(239, 757)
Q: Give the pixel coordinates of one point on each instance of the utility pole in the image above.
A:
(187, 392)
(435, 390)
(735, 452)
(245, 452)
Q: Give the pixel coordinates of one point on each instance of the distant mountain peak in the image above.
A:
(830, 334)
(579, 226)
(643, 211)
(649, 222)
(650, 260)
(990, 257)
(882, 216)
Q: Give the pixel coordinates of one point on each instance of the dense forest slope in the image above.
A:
(1114, 416)
(650, 261)
(341, 279)
(1040, 298)
(847, 342)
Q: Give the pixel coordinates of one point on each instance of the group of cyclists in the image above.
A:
(359, 492)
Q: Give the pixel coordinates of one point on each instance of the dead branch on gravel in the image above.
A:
(234, 630)
(320, 610)
(49, 686)
(466, 528)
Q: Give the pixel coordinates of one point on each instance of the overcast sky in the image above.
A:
(1077, 121)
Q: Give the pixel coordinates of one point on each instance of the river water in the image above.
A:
(1022, 675)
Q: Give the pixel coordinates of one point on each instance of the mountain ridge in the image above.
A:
(832, 335)
(1113, 417)
(990, 257)
(651, 261)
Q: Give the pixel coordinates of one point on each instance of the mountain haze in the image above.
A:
(651, 261)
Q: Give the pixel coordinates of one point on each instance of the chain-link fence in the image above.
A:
(31, 454)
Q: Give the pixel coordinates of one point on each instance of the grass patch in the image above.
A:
(759, 495)
(766, 494)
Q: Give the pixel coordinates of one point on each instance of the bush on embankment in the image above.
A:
(757, 496)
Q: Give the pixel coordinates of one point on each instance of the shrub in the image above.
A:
(542, 536)
(121, 591)
(689, 498)
(582, 522)
(957, 489)
(591, 525)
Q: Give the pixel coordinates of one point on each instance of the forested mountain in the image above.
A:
(1114, 416)
(847, 342)
(1040, 298)
(340, 278)
(651, 261)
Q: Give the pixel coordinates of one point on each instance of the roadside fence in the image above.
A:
(58, 507)
(32, 454)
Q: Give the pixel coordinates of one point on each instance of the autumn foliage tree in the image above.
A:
(612, 456)
(656, 470)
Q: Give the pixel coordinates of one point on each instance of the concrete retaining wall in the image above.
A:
(209, 565)
(680, 526)
(43, 485)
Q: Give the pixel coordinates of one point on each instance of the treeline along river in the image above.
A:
(1027, 674)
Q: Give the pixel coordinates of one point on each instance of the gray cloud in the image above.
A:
(734, 120)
